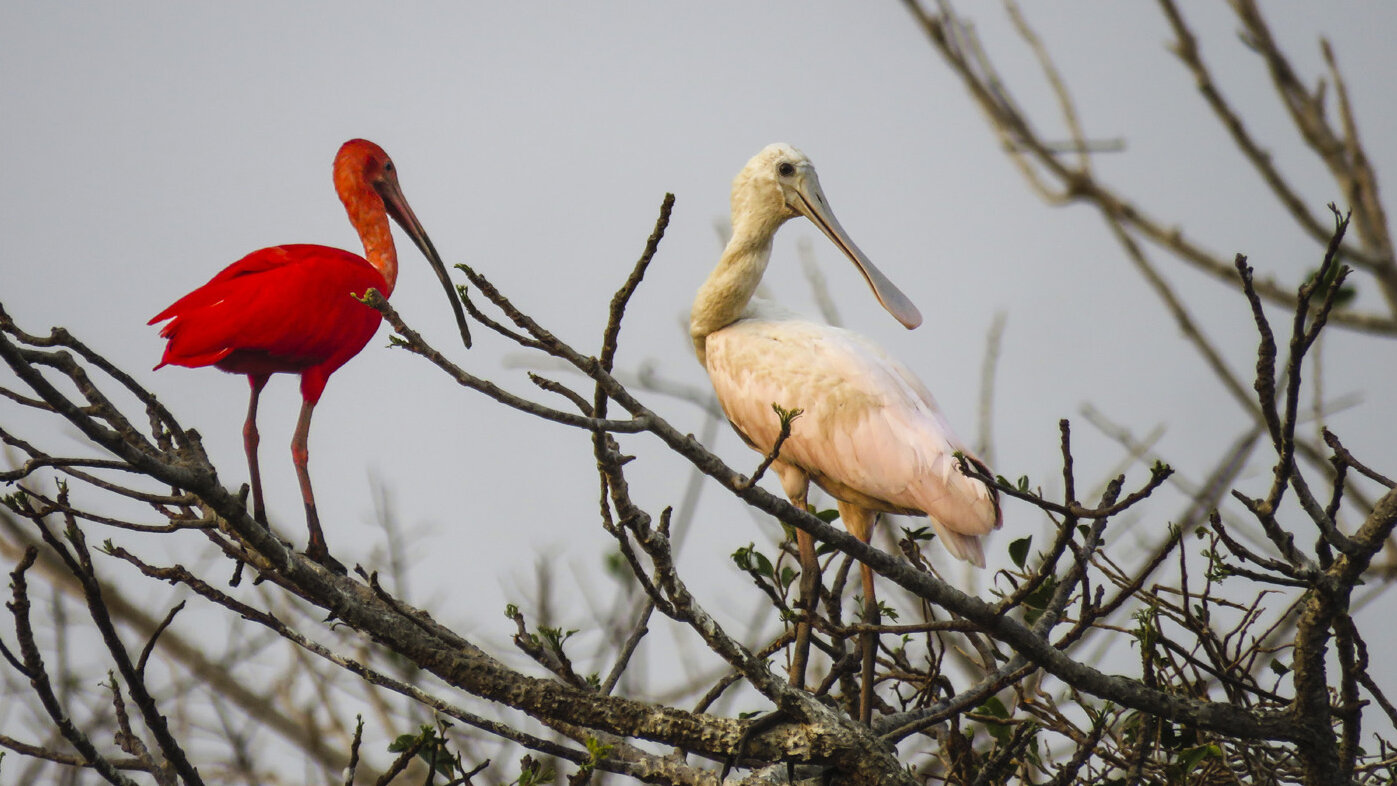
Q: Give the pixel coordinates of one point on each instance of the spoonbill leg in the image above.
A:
(807, 602)
(859, 521)
(796, 484)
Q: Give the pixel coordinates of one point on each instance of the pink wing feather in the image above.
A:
(868, 425)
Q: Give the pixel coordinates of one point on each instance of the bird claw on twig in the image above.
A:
(321, 556)
(757, 725)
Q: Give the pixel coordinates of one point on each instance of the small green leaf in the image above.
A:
(920, 533)
(827, 516)
(742, 558)
(596, 751)
(787, 416)
(533, 773)
(1346, 293)
(554, 638)
(1037, 600)
(995, 708)
(1018, 550)
(615, 565)
(788, 575)
(763, 566)
(1190, 757)
(438, 759)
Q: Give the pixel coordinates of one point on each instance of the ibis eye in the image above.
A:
(786, 169)
(387, 166)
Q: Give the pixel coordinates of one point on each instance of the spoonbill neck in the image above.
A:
(370, 219)
(723, 298)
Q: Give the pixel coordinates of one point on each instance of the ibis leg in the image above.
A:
(300, 456)
(859, 522)
(250, 441)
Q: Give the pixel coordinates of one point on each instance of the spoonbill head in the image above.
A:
(776, 185)
(870, 433)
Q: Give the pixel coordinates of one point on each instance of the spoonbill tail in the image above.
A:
(292, 309)
(870, 433)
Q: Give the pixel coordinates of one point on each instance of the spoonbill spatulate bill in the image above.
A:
(293, 309)
(870, 433)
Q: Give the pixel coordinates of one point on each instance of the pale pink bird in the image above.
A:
(870, 433)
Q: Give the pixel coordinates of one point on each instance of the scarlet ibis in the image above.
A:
(293, 309)
(870, 433)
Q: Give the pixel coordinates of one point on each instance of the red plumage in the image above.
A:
(282, 309)
(292, 309)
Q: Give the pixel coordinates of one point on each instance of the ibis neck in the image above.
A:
(723, 298)
(370, 218)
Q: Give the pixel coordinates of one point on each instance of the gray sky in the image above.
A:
(147, 151)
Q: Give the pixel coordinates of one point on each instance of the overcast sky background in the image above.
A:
(146, 151)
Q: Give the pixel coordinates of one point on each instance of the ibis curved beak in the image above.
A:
(811, 202)
(398, 208)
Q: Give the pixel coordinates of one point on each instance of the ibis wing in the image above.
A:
(292, 304)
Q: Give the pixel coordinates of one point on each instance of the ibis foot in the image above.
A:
(758, 725)
(322, 556)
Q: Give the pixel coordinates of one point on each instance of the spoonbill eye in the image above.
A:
(786, 169)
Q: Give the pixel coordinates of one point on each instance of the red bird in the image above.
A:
(293, 309)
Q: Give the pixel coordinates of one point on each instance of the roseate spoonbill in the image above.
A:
(292, 309)
(870, 433)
